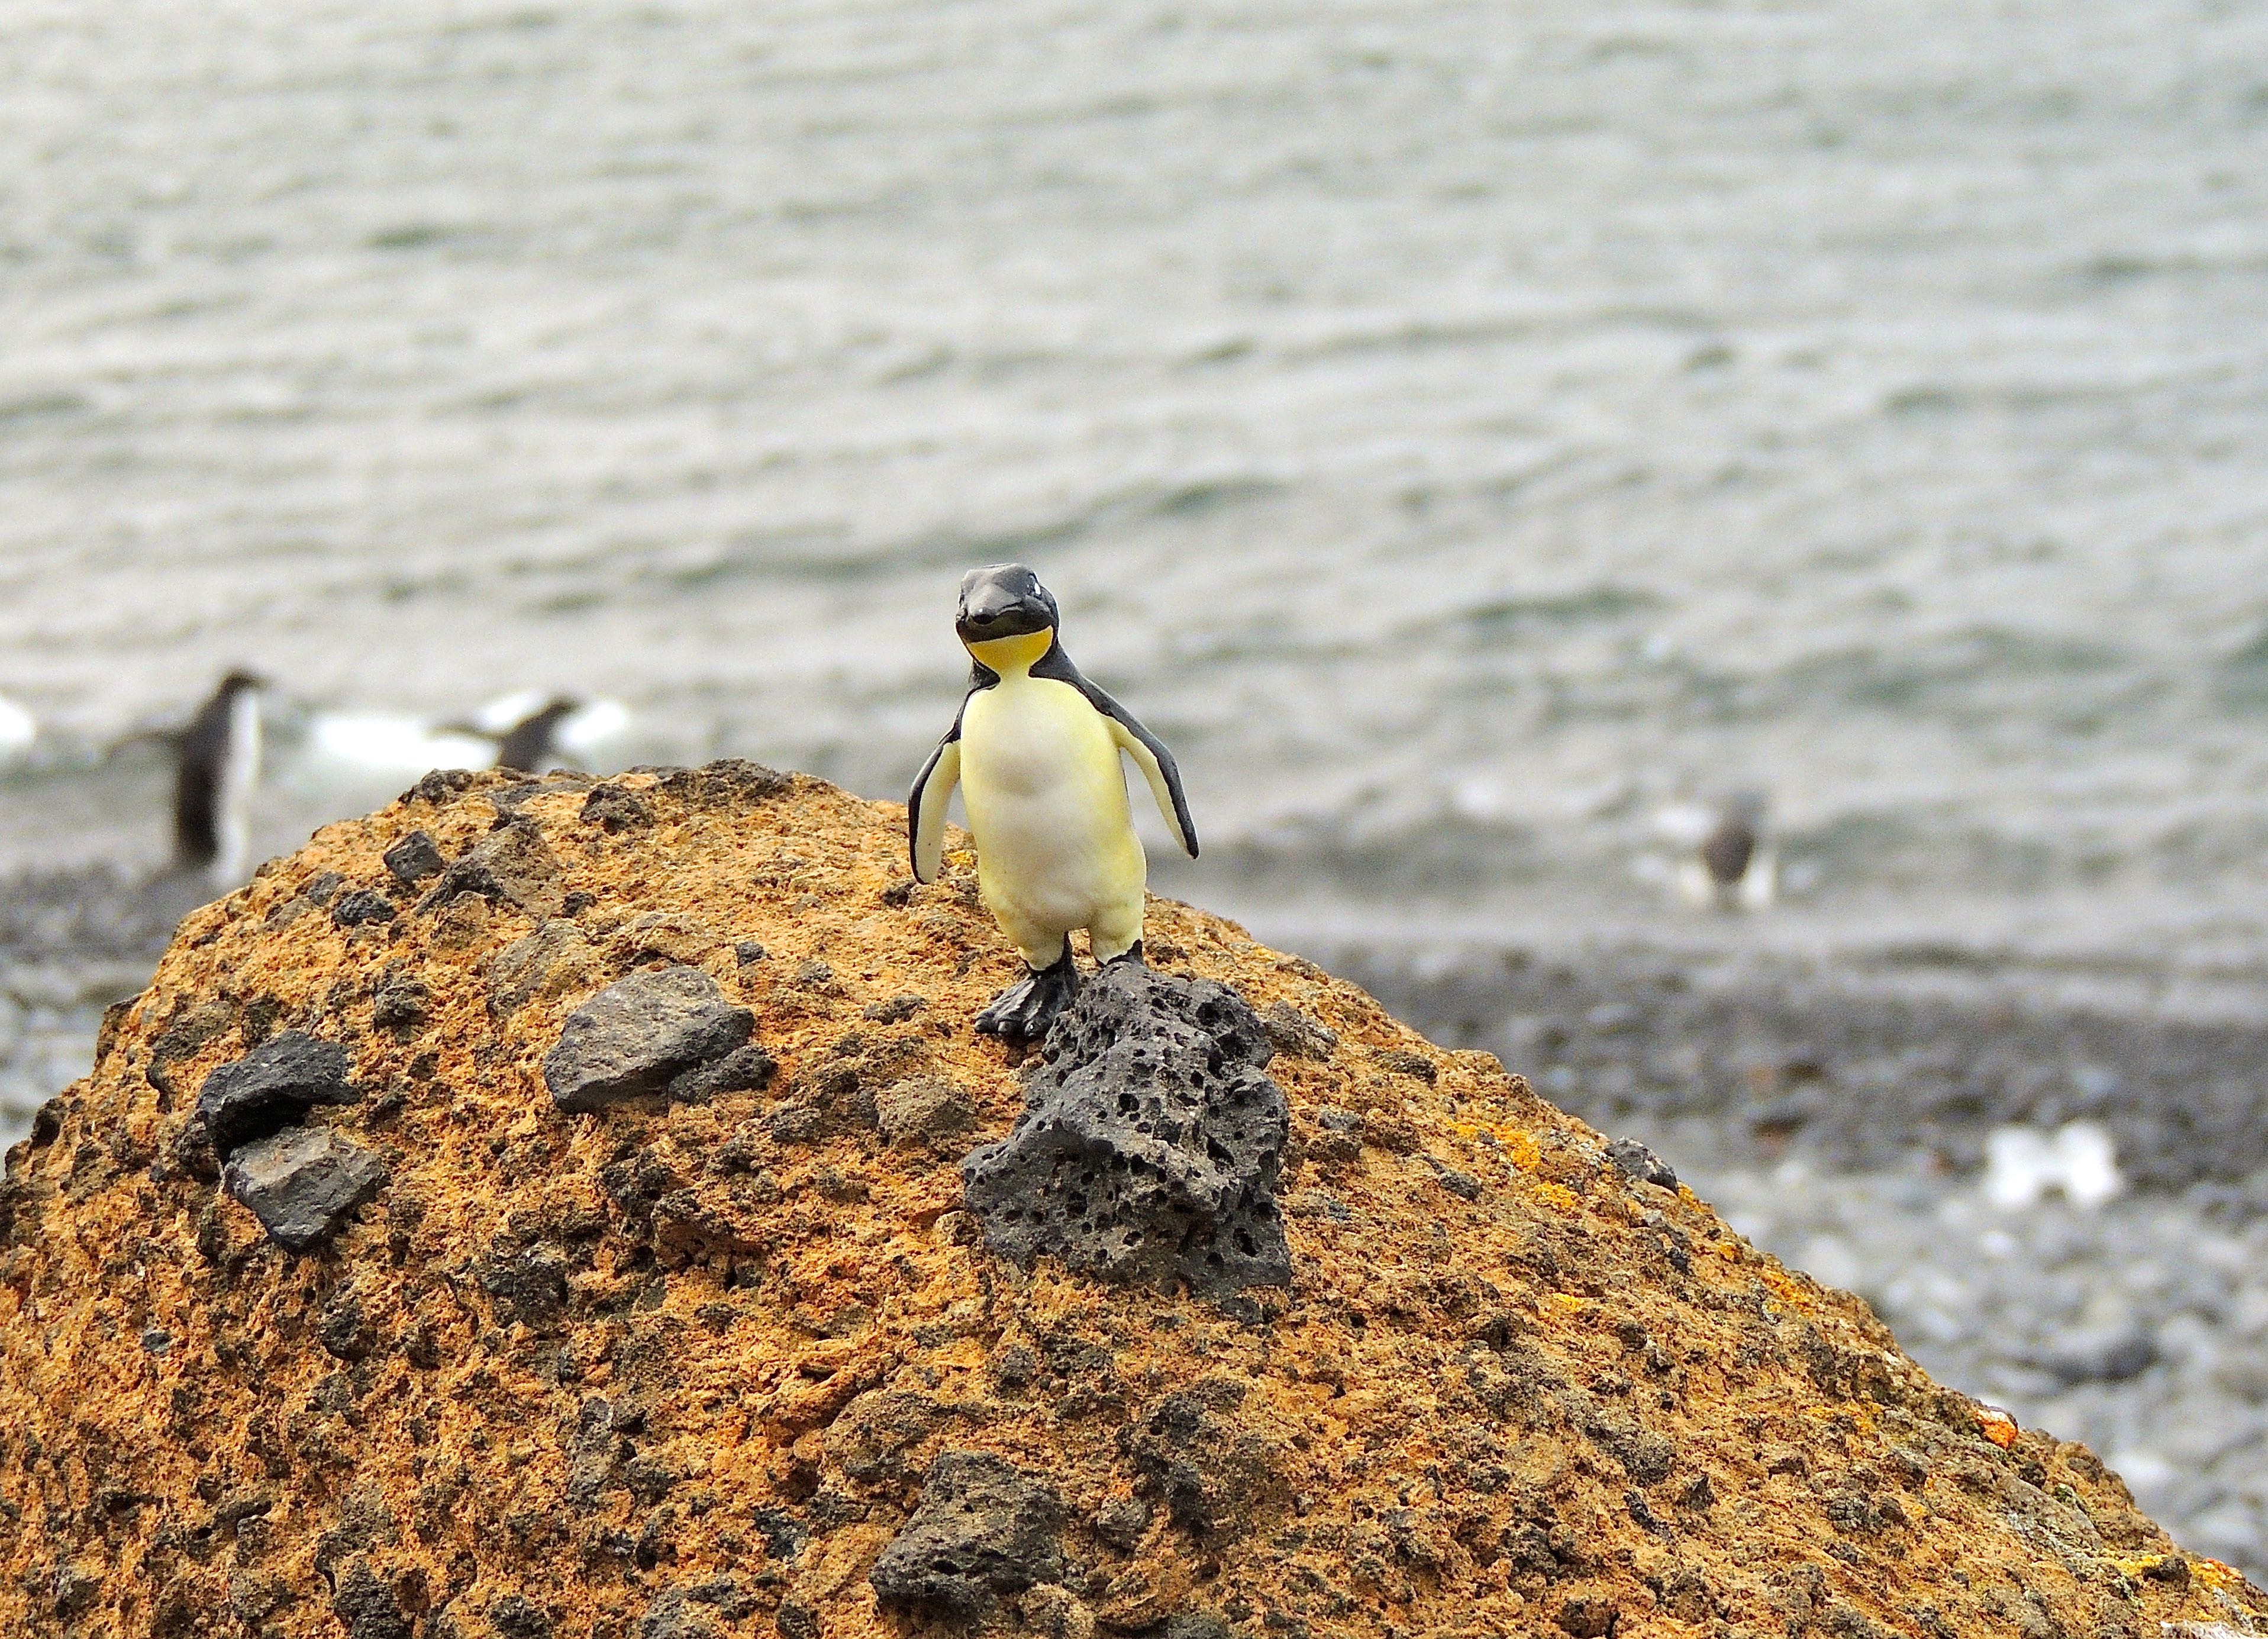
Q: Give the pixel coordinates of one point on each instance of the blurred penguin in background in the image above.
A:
(1730, 863)
(532, 745)
(528, 743)
(216, 773)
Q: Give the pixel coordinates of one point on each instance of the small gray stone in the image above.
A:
(743, 1069)
(368, 1606)
(636, 1037)
(414, 858)
(925, 1111)
(272, 1087)
(512, 863)
(614, 808)
(302, 1184)
(1291, 1032)
(364, 905)
(983, 1530)
(1640, 1163)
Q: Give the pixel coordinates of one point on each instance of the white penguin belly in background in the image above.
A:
(1047, 798)
(239, 783)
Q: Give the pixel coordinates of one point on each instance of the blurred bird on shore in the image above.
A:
(217, 772)
(532, 733)
(1726, 860)
(523, 731)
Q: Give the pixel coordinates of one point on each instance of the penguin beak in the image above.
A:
(995, 612)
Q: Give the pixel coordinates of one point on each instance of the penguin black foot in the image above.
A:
(1131, 953)
(1021, 1014)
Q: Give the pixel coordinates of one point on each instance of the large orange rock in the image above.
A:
(721, 1362)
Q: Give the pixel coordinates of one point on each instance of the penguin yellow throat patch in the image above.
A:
(1012, 655)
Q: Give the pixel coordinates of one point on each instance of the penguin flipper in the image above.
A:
(1156, 766)
(926, 808)
(1148, 751)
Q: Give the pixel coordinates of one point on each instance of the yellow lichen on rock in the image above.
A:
(737, 1358)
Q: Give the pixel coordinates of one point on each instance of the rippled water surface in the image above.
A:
(1458, 429)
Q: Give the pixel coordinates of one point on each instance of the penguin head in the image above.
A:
(238, 681)
(1006, 617)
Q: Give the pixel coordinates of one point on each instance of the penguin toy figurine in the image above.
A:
(215, 772)
(1035, 752)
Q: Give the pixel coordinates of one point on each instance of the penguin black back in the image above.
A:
(1727, 851)
(530, 743)
(208, 769)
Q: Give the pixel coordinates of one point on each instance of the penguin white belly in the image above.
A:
(239, 781)
(1056, 848)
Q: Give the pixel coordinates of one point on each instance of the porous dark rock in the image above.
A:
(694, 1610)
(270, 1088)
(1211, 1473)
(1294, 1034)
(303, 1183)
(368, 1606)
(727, 782)
(414, 858)
(636, 1036)
(983, 1531)
(1150, 1143)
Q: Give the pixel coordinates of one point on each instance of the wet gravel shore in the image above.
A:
(1856, 1068)
(71, 943)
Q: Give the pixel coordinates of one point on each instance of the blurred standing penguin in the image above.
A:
(1733, 865)
(1035, 752)
(217, 772)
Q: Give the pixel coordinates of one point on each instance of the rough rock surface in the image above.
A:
(983, 1531)
(1150, 1144)
(667, 1370)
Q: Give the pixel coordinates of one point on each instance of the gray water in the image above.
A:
(1460, 431)
(1457, 429)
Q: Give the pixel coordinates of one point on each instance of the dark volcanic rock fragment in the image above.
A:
(616, 808)
(368, 1606)
(1211, 1474)
(414, 858)
(364, 905)
(983, 1531)
(692, 1610)
(744, 1069)
(271, 1088)
(1638, 1162)
(1149, 1146)
(636, 1037)
(302, 1184)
